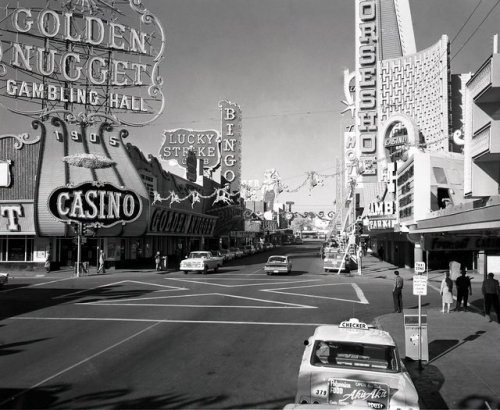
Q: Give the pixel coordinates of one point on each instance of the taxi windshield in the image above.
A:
(355, 356)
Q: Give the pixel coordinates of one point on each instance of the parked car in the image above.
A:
(249, 250)
(278, 264)
(201, 261)
(267, 246)
(4, 278)
(354, 365)
(227, 254)
(237, 251)
(338, 261)
(217, 254)
(298, 241)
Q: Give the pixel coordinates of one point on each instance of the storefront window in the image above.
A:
(19, 249)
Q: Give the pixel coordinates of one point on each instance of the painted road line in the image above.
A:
(171, 288)
(48, 379)
(210, 322)
(261, 282)
(36, 285)
(359, 293)
(121, 302)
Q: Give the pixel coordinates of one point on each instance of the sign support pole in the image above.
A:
(419, 332)
(78, 250)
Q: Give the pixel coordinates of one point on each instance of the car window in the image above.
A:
(277, 259)
(355, 355)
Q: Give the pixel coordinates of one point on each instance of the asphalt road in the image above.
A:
(140, 339)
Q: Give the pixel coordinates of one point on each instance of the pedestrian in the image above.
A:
(101, 268)
(47, 262)
(360, 259)
(158, 260)
(381, 252)
(446, 292)
(464, 289)
(491, 291)
(397, 292)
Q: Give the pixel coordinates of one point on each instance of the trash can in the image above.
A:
(410, 317)
(163, 263)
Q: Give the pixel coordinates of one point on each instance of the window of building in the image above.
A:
(16, 249)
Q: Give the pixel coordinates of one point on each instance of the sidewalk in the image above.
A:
(464, 355)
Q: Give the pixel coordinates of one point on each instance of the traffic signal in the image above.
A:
(358, 229)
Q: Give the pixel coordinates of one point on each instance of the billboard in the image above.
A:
(82, 61)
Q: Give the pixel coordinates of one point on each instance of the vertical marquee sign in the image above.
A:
(231, 144)
(366, 86)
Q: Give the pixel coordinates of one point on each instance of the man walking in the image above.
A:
(464, 289)
(491, 291)
(397, 293)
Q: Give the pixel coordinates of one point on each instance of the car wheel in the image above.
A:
(326, 270)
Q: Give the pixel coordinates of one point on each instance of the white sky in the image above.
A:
(282, 61)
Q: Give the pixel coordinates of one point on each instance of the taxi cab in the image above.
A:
(353, 365)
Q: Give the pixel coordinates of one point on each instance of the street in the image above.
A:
(142, 339)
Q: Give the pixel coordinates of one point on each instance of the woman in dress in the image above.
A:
(447, 292)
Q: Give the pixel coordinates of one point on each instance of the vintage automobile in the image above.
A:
(278, 264)
(227, 255)
(201, 261)
(338, 261)
(4, 278)
(354, 365)
(238, 253)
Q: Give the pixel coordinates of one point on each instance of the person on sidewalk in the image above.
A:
(359, 255)
(464, 289)
(101, 262)
(158, 261)
(446, 292)
(397, 293)
(491, 291)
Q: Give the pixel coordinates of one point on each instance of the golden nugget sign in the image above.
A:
(366, 83)
(93, 202)
(81, 54)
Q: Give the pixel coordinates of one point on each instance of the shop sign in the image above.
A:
(179, 142)
(381, 208)
(170, 221)
(94, 202)
(456, 243)
(231, 144)
(374, 224)
(11, 214)
(366, 83)
(105, 57)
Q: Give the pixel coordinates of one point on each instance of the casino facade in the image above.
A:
(77, 81)
(420, 152)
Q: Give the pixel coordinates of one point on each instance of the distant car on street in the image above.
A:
(227, 254)
(201, 261)
(4, 278)
(278, 264)
(338, 261)
(353, 365)
(249, 250)
(237, 252)
(298, 241)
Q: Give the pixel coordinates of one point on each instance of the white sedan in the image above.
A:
(354, 365)
(278, 264)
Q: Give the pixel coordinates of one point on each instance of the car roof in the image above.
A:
(369, 336)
